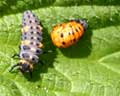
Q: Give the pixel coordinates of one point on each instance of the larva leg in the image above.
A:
(16, 55)
(41, 62)
(14, 67)
(49, 51)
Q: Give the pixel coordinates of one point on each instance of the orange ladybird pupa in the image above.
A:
(66, 34)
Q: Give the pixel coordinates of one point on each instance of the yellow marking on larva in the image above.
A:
(22, 30)
(33, 49)
(41, 45)
(40, 27)
(25, 42)
(31, 57)
(25, 29)
(31, 66)
(23, 61)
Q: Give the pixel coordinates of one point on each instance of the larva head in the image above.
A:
(24, 66)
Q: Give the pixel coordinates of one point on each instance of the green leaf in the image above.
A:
(89, 68)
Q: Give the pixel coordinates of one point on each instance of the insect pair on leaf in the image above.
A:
(63, 35)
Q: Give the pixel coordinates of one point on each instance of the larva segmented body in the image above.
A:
(31, 42)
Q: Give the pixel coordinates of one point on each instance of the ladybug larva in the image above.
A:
(31, 43)
(66, 34)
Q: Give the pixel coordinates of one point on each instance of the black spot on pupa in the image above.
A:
(72, 32)
(61, 35)
(76, 30)
(79, 28)
(63, 43)
(74, 40)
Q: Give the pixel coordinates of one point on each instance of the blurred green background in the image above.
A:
(89, 68)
